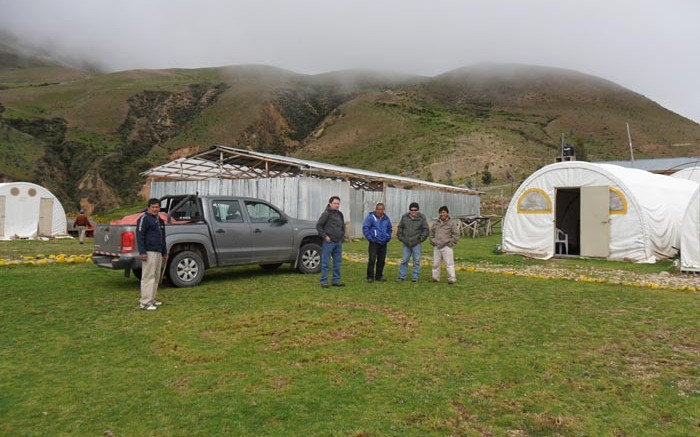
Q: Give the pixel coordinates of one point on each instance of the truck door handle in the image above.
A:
(257, 230)
(220, 231)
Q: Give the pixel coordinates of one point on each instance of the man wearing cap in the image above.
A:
(412, 231)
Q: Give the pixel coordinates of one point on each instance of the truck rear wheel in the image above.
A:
(309, 258)
(186, 269)
(137, 273)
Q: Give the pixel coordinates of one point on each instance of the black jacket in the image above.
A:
(332, 224)
(150, 234)
(412, 231)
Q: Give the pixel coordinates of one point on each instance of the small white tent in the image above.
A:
(28, 210)
(597, 210)
(690, 239)
(690, 173)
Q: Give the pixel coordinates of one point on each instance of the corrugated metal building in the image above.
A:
(302, 188)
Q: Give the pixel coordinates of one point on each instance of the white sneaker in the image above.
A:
(149, 307)
(157, 303)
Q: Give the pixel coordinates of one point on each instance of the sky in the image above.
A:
(648, 46)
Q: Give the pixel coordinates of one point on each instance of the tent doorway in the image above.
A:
(582, 214)
(568, 219)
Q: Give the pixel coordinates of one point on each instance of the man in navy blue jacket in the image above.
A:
(150, 236)
(377, 230)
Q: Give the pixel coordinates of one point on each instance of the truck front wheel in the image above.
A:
(186, 269)
(309, 258)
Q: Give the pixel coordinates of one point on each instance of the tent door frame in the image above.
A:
(567, 218)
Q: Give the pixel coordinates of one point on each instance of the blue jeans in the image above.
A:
(328, 250)
(409, 252)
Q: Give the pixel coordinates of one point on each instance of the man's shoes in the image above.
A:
(370, 280)
(434, 280)
(339, 284)
(149, 307)
(324, 285)
(451, 282)
(381, 279)
(414, 280)
(400, 280)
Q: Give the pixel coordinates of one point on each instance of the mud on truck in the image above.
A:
(204, 232)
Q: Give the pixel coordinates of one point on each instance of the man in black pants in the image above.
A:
(377, 230)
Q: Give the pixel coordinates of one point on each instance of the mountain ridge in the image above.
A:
(86, 135)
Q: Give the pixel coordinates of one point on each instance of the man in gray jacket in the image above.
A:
(412, 231)
(443, 235)
(331, 228)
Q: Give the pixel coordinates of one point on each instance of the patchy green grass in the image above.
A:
(250, 352)
(482, 251)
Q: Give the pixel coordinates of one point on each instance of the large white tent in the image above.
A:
(690, 173)
(597, 210)
(690, 239)
(28, 210)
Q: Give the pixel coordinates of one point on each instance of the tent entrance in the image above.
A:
(582, 214)
(568, 220)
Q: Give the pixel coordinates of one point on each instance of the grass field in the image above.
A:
(255, 353)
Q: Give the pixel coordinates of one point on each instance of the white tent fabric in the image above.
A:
(28, 210)
(690, 240)
(646, 228)
(690, 173)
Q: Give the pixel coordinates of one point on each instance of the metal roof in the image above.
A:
(658, 165)
(223, 162)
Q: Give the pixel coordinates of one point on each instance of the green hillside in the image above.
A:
(87, 135)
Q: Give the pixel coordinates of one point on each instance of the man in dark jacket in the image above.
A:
(150, 236)
(331, 228)
(81, 223)
(377, 230)
(412, 231)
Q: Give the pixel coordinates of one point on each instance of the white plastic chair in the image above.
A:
(560, 238)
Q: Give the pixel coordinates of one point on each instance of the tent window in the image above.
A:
(14, 191)
(618, 203)
(32, 192)
(534, 201)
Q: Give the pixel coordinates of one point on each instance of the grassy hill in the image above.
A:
(87, 135)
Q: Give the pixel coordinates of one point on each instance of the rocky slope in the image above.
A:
(87, 135)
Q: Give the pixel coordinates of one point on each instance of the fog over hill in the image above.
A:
(87, 135)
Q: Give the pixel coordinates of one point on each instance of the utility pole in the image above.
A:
(629, 137)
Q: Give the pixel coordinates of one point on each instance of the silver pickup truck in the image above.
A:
(203, 232)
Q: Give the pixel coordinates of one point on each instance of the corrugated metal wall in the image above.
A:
(306, 198)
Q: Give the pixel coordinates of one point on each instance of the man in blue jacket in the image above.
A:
(150, 236)
(377, 230)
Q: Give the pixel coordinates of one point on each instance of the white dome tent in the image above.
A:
(690, 240)
(597, 210)
(29, 211)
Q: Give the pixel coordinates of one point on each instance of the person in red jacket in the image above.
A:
(81, 223)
